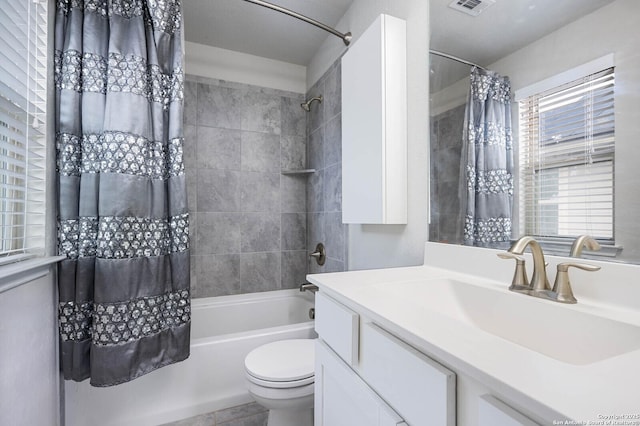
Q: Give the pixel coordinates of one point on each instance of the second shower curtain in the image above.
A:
(487, 161)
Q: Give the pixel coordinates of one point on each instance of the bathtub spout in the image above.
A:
(308, 287)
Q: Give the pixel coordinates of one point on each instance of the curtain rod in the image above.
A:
(455, 58)
(346, 37)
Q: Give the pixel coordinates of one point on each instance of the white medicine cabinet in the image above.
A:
(374, 129)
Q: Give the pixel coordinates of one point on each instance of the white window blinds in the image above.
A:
(23, 91)
(567, 159)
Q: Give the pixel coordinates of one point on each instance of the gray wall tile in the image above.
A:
(294, 231)
(333, 92)
(218, 148)
(293, 117)
(237, 139)
(446, 146)
(192, 189)
(447, 166)
(293, 153)
(324, 188)
(260, 232)
(260, 192)
(217, 275)
(333, 141)
(193, 232)
(334, 235)
(315, 230)
(260, 112)
(190, 102)
(219, 106)
(315, 192)
(260, 152)
(315, 149)
(218, 233)
(218, 190)
(260, 272)
(333, 188)
(294, 193)
(294, 268)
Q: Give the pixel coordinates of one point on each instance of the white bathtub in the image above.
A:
(223, 331)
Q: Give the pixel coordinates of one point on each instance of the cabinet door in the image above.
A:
(421, 390)
(492, 412)
(374, 125)
(343, 399)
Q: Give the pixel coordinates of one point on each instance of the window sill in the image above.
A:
(15, 274)
(560, 247)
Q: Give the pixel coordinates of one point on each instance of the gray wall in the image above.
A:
(446, 149)
(29, 369)
(324, 187)
(248, 222)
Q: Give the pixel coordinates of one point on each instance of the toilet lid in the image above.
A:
(282, 361)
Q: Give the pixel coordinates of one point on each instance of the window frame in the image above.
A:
(559, 244)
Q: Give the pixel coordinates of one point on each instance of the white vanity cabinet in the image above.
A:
(374, 125)
(344, 399)
(366, 376)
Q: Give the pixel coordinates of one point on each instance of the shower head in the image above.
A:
(307, 105)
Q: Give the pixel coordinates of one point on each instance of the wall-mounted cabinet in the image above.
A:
(374, 125)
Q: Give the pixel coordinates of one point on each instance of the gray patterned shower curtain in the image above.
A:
(487, 161)
(122, 211)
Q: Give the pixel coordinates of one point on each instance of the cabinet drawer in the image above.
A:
(338, 326)
(493, 412)
(418, 388)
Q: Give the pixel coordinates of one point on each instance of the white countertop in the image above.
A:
(552, 389)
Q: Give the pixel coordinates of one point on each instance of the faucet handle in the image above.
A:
(562, 285)
(519, 281)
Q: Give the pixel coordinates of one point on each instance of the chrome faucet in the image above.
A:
(583, 241)
(539, 281)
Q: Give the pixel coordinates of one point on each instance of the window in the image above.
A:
(23, 92)
(567, 159)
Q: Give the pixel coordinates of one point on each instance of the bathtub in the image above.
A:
(223, 331)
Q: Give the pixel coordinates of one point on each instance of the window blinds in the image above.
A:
(23, 91)
(567, 159)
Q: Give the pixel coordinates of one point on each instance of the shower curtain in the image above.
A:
(122, 211)
(487, 161)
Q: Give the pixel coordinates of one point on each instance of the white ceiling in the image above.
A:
(501, 29)
(250, 28)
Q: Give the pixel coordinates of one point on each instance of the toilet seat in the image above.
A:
(282, 364)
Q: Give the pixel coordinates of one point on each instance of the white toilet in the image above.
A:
(281, 377)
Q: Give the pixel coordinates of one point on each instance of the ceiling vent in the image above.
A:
(471, 7)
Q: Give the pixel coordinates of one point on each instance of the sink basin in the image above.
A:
(543, 326)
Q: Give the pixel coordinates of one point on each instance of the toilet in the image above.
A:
(280, 377)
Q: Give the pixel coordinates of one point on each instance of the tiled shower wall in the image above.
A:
(248, 222)
(446, 149)
(324, 188)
